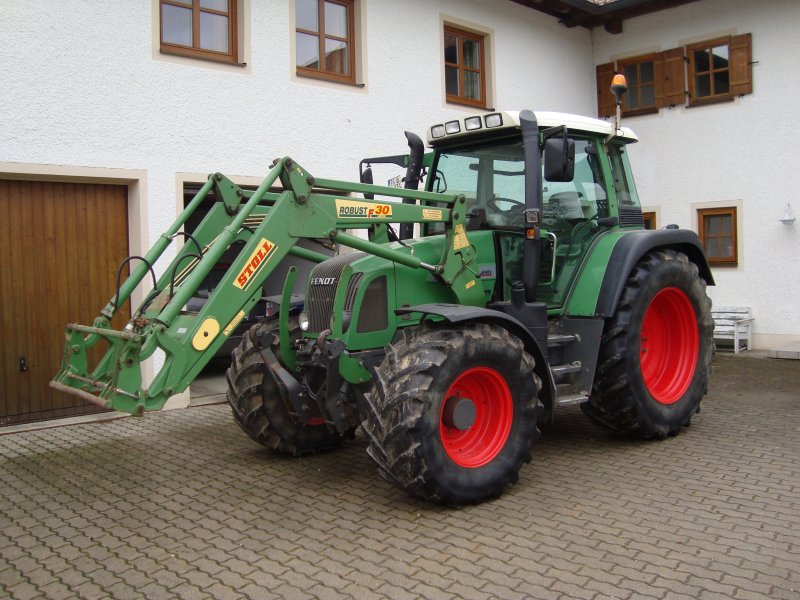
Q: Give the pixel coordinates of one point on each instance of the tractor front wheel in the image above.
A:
(655, 356)
(260, 406)
(453, 412)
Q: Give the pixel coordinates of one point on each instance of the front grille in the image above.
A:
(630, 217)
(319, 302)
(374, 313)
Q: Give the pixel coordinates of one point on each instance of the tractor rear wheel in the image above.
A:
(655, 355)
(260, 406)
(453, 412)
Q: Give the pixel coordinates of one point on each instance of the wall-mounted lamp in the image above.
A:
(788, 215)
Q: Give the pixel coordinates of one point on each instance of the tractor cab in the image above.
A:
(487, 159)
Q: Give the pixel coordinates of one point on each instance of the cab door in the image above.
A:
(570, 211)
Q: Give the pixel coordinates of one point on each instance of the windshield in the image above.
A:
(492, 177)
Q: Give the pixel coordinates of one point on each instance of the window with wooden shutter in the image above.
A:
(640, 75)
(654, 81)
(711, 71)
(720, 69)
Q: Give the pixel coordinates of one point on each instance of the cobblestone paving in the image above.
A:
(182, 504)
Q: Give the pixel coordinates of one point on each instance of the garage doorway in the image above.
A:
(60, 246)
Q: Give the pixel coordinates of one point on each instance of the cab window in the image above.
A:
(565, 203)
(624, 187)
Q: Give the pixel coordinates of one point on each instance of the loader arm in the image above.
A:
(266, 226)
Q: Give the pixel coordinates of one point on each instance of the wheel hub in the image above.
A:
(669, 345)
(459, 413)
(476, 417)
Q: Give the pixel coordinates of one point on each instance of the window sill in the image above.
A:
(322, 76)
(465, 102)
(710, 100)
(641, 111)
(201, 56)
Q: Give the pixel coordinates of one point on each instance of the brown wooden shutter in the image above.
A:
(670, 81)
(605, 99)
(741, 68)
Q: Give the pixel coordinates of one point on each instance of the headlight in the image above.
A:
(452, 127)
(437, 131)
(302, 319)
(472, 123)
(494, 120)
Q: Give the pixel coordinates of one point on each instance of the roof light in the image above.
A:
(494, 120)
(437, 131)
(619, 85)
(452, 127)
(472, 123)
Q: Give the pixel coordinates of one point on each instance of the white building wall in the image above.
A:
(743, 153)
(83, 84)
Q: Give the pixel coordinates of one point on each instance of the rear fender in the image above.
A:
(631, 247)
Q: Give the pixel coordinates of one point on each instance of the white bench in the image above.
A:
(733, 323)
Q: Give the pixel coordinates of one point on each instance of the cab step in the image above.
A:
(574, 367)
(571, 399)
(557, 339)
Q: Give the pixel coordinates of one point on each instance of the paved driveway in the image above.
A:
(182, 504)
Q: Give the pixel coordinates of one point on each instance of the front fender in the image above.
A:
(457, 313)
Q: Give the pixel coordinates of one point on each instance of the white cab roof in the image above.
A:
(510, 119)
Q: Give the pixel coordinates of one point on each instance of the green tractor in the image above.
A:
(531, 284)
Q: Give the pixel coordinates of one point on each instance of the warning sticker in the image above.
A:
(232, 325)
(431, 214)
(460, 238)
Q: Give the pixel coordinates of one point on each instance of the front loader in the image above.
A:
(532, 285)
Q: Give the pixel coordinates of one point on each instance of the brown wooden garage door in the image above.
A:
(60, 245)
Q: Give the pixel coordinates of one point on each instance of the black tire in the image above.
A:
(653, 395)
(258, 403)
(407, 427)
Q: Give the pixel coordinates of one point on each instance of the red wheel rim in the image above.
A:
(494, 413)
(669, 345)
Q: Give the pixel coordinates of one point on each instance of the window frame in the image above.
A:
(719, 261)
(194, 51)
(694, 100)
(350, 6)
(637, 61)
(482, 69)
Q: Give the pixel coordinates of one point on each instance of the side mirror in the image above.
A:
(559, 159)
(366, 177)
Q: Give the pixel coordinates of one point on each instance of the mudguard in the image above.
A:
(457, 313)
(629, 250)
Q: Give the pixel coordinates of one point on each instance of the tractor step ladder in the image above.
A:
(566, 394)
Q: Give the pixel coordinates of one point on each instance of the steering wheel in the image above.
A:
(511, 215)
(492, 203)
